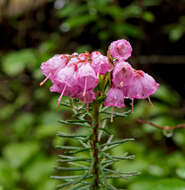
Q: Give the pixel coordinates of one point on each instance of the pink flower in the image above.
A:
(64, 81)
(88, 98)
(115, 97)
(86, 77)
(65, 77)
(52, 65)
(141, 86)
(100, 63)
(120, 49)
(122, 74)
(134, 83)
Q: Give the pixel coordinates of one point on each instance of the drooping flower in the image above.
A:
(120, 49)
(86, 77)
(89, 97)
(115, 97)
(122, 74)
(100, 63)
(134, 84)
(141, 86)
(52, 65)
(64, 80)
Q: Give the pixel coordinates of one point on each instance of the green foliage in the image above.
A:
(177, 30)
(28, 113)
(14, 63)
(95, 12)
(22, 152)
(164, 184)
(78, 160)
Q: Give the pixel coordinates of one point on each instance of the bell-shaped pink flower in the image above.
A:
(134, 83)
(100, 63)
(115, 98)
(141, 86)
(52, 65)
(86, 77)
(64, 79)
(122, 74)
(120, 49)
(65, 76)
(88, 98)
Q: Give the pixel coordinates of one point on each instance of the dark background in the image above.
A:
(33, 31)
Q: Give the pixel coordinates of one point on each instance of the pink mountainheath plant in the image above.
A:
(99, 82)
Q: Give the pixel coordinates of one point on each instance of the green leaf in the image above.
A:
(117, 142)
(23, 123)
(65, 177)
(78, 150)
(45, 131)
(162, 184)
(167, 95)
(46, 185)
(68, 148)
(39, 170)
(71, 169)
(73, 182)
(117, 159)
(19, 153)
(151, 2)
(104, 130)
(115, 12)
(181, 172)
(78, 121)
(129, 30)
(131, 11)
(50, 118)
(70, 136)
(71, 10)
(179, 137)
(15, 62)
(74, 160)
(117, 114)
(74, 123)
(80, 21)
(8, 175)
(176, 33)
(78, 187)
(7, 111)
(148, 16)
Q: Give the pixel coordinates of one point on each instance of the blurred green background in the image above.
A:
(32, 31)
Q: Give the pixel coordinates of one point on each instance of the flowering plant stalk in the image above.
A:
(94, 83)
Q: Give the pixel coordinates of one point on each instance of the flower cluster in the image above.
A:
(77, 75)
(126, 81)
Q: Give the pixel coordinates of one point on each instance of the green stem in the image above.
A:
(94, 142)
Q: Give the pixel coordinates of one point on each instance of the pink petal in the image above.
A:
(100, 63)
(122, 74)
(86, 72)
(115, 97)
(120, 49)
